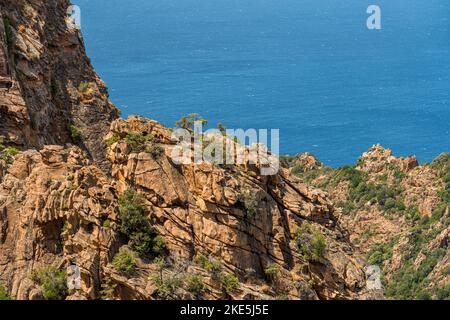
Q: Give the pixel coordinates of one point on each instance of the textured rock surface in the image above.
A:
(197, 208)
(244, 235)
(396, 213)
(49, 71)
(54, 204)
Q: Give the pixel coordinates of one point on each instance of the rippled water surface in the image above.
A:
(308, 67)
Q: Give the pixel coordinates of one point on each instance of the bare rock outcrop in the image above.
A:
(224, 231)
(53, 205)
(47, 84)
(202, 208)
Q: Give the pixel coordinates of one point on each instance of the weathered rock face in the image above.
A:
(396, 213)
(244, 235)
(200, 209)
(47, 83)
(53, 204)
(301, 163)
(377, 159)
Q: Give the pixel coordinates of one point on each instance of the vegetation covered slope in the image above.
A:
(396, 213)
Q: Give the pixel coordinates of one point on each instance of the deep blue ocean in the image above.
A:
(308, 67)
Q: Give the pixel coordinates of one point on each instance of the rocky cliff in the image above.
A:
(238, 234)
(94, 207)
(396, 213)
(143, 227)
(49, 91)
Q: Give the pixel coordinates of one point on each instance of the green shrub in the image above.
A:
(311, 242)
(390, 204)
(442, 165)
(311, 175)
(360, 191)
(446, 271)
(83, 86)
(187, 122)
(166, 283)
(136, 141)
(230, 283)
(169, 285)
(10, 34)
(404, 284)
(347, 207)
(194, 284)
(399, 176)
(207, 263)
(3, 294)
(142, 143)
(159, 245)
(248, 200)
(65, 227)
(445, 194)
(351, 174)
(376, 258)
(115, 138)
(136, 226)
(423, 295)
(413, 214)
(7, 153)
(408, 283)
(125, 262)
(11, 151)
(379, 253)
(52, 281)
(443, 293)
(298, 170)
(441, 162)
(155, 150)
(75, 134)
(272, 272)
(107, 223)
(438, 212)
(430, 262)
(133, 210)
(383, 178)
(393, 204)
(148, 244)
(387, 198)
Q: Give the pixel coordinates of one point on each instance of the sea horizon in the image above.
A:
(312, 69)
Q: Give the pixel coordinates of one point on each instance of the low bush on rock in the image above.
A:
(208, 263)
(3, 294)
(136, 226)
(52, 281)
(311, 242)
(247, 198)
(125, 262)
(230, 283)
(194, 284)
(7, 154)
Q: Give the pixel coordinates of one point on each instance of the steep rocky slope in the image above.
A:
(236, 233)
(143, 227)
(49, 91)
(396, 213)
(92, 206)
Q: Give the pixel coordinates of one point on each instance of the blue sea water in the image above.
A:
(308, 67)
